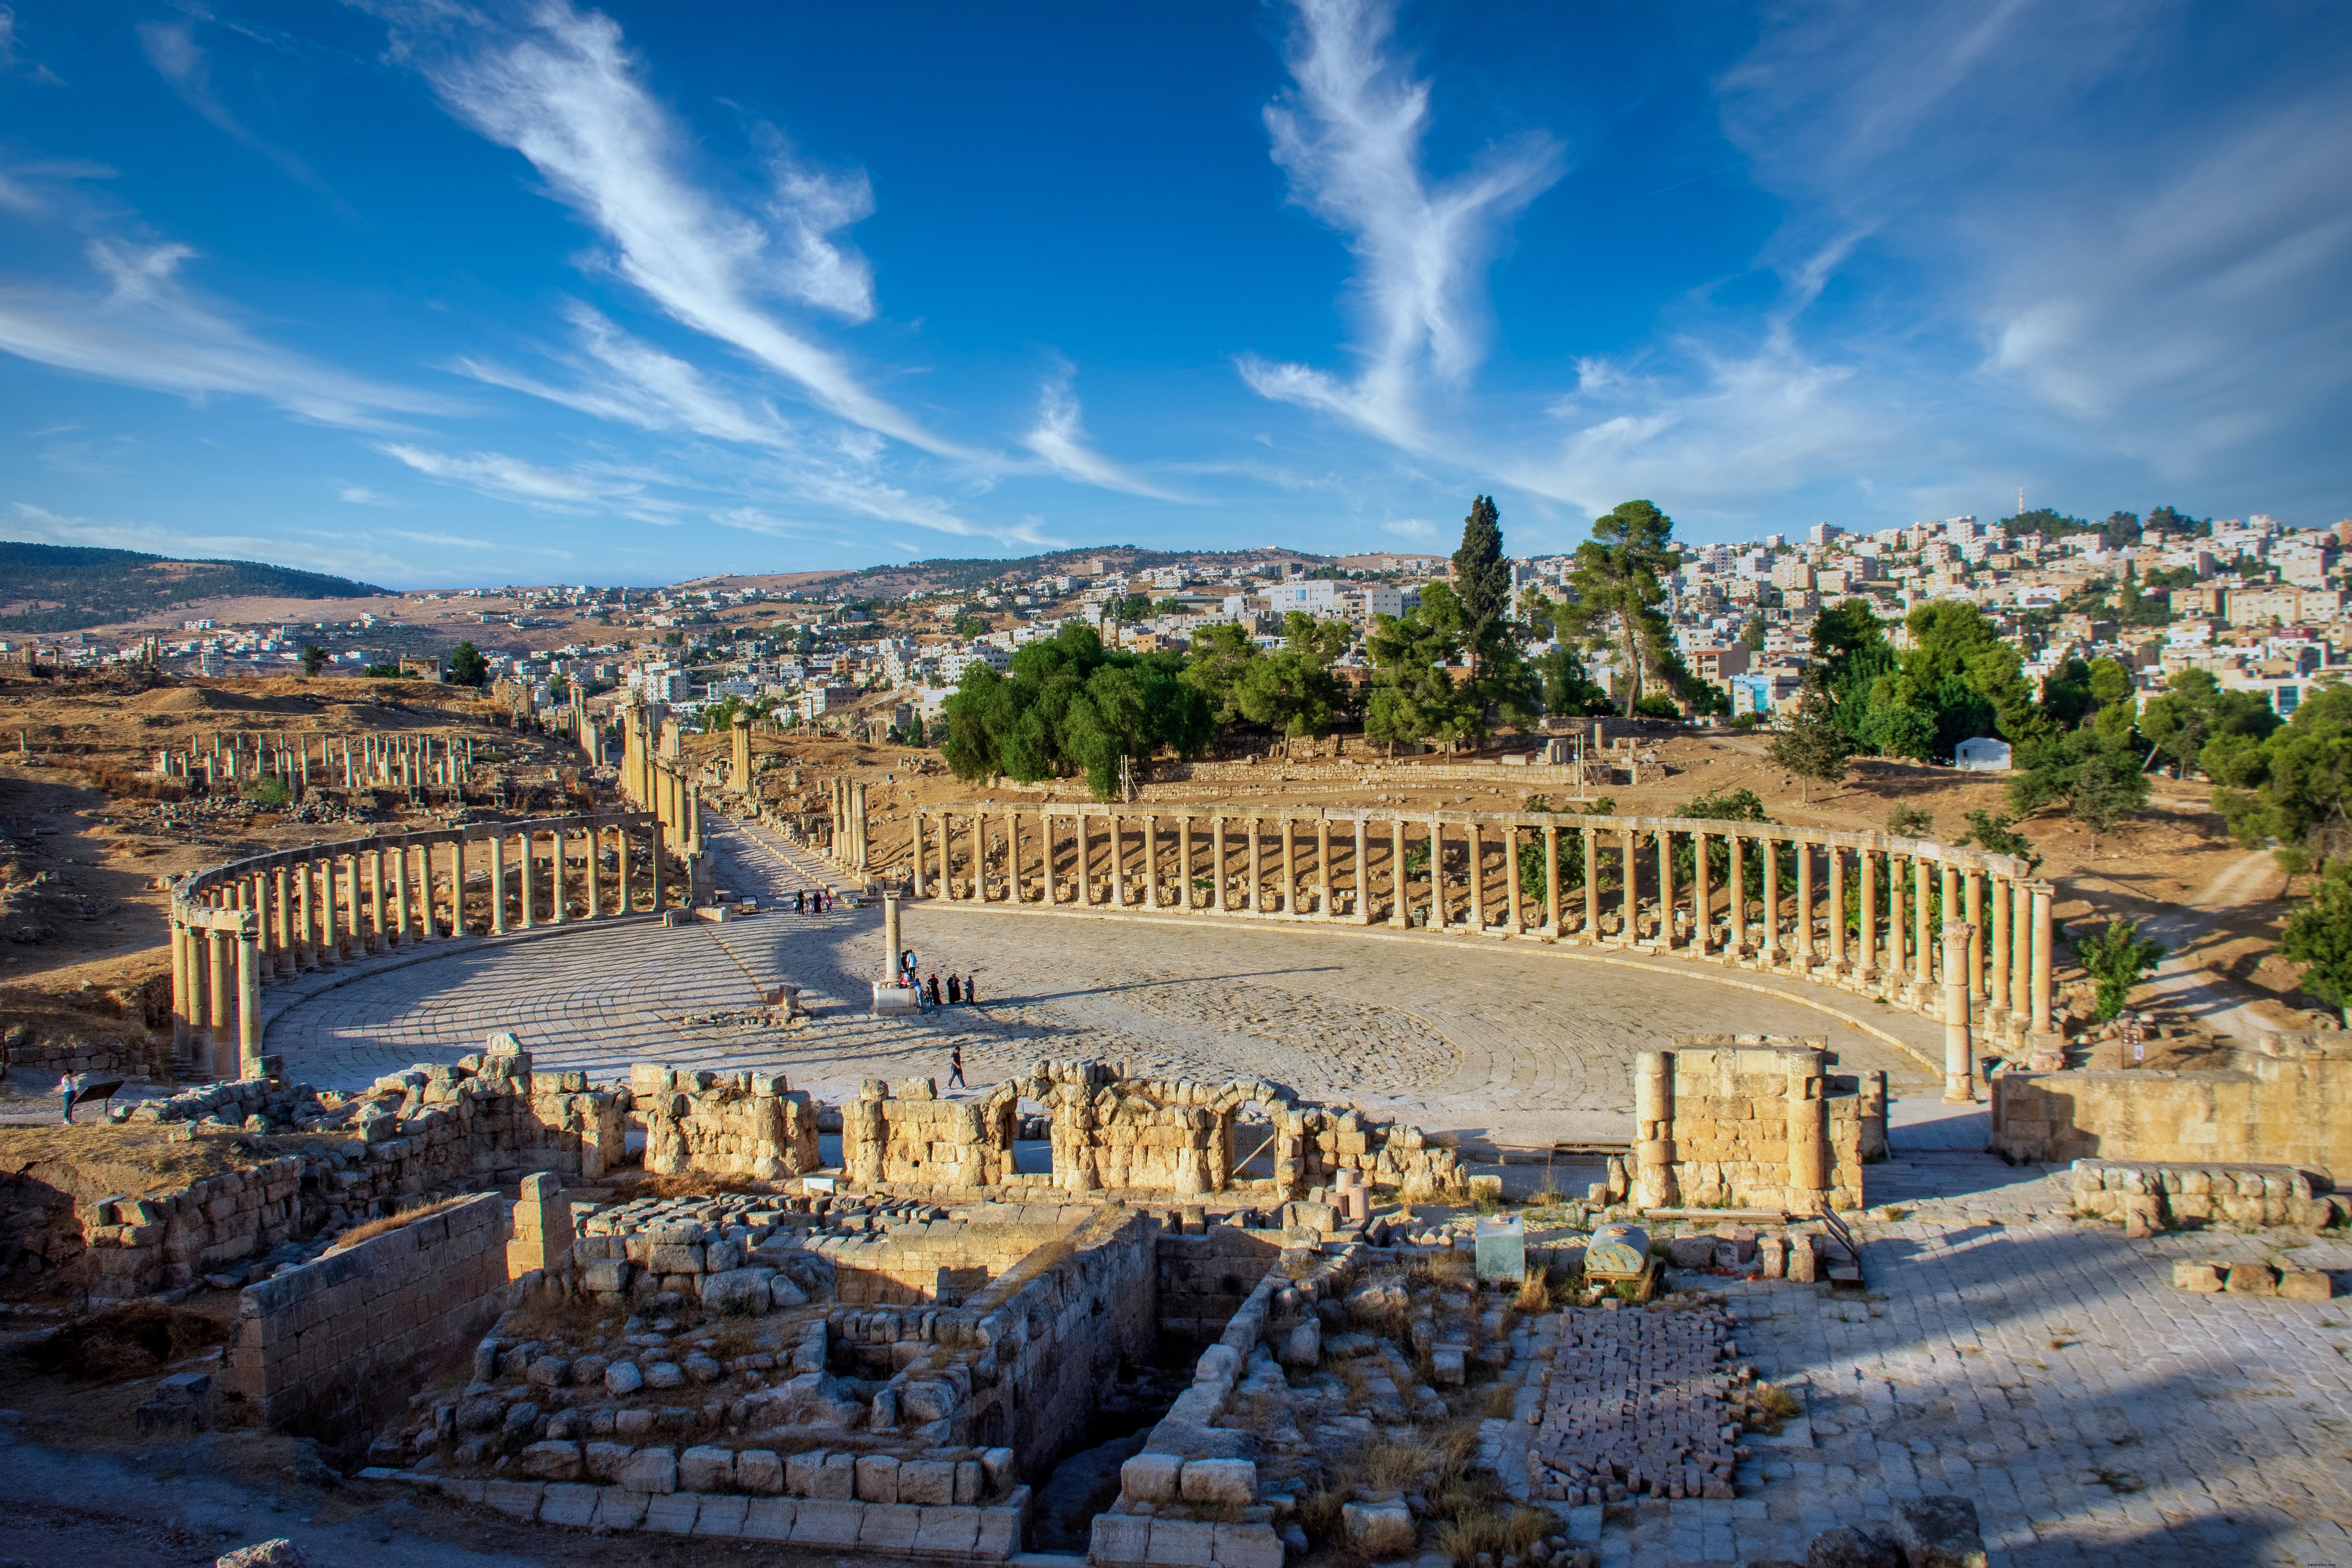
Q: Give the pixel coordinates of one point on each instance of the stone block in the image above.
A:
(1691, 1251)
(927, 1483)
(617, 1508)
(996, 1468)
(516, 1499)
(2203, 1279)
(1119, 1538)
(1302, 1348)
(1847, 1546)
(2306, 1284)
(947, 1531)
(1379, 1530)
(2252, 1280)
(604, 1273)
(674, 1258)
(1184, 1543)
(551, 1462)
(820, 1523)
(1247, 1546)
(768, 1519)
(568, 1504)
(801, 1473)
(889, 1527)
(673, 1513)
(624, 1377)
(1448, 1366)
(650, 1470)
(705, 1468)
(1151, 1478)
(759, 1471)
(1231, 1482)
(877, 1479)
(721, 1516)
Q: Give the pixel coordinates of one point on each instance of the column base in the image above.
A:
(2045, 1053)
(1959, 1089)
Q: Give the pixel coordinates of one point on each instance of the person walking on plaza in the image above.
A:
(955, 1067)
(970, 989)
(799, 901)
(955, 988)
(935, 990)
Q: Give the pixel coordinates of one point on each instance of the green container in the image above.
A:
(1503, 1249)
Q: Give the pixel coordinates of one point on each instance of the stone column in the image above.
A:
(1475, 838)
(1217, 893)
(183, 1029)
(1805, 904)
(1439, 916)
(1289, 905)
(892, 945)
(249, 997)
(1361, 878)
(498, 880)
(1151, 861)
(1771, 949)
(1118, 860)
(1960, 1059)
(312, 957)
(1898, 966)
(1628, 864)
(1923, 957)
(1256, 870)
(2020, 956)
(1975, 916)
(1665, 891)
(1949, 903)
(530, 878)
(2042, 892)
(1322, 866)
(1085, 896)
(1654, 1130)
(1551, 879)
(1868, 859)
(628, 898)
(743, 758)
(1400, 909)
(1837, 908)
(1998, 988)
(979, 854)
(1512, 914)
(594, 836)
(379, 938)
(220, 949)
(1808, 1134)
(1738, 947)
(282, 931)
(1591, 887)
(915, 876)
(656, 833)
(1701, 896)
(1184, 862)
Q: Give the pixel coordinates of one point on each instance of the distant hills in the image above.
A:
(957, 576)
(63, 587)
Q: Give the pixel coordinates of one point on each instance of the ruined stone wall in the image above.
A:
(2148, 1197)
(905, 1135)
(1203, 1279)
(140, 1245)
(314, 1347)
(2284, 1106)
(1759, 1123)
(731, 1124)
(936, 1262)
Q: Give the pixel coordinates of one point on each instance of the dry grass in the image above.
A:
(1495, 1530)
(372, 1228)
(687, 1184)
(138, 1341)
(1389, 1465)
(1763, 1407)
(550, 1317)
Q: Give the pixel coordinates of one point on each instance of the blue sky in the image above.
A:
(437, 292)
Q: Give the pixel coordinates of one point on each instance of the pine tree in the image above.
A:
(1482, 578)
(1814, 746)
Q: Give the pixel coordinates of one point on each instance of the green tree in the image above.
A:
(1959, 669)
(1294, 690)
(1068, 705)
(2319, 936)
(1135, 607)
(1752, 636)
(970, 622)
(2095, 781)
(1222, 654)
(314, 660)
(1567, 688)
(1813, 746)
(1414, 696)
(2195, 711)
(2116, 958)
(2291, 786)
(2118, 705)
(1619, 584)
(1482, 577)
(467, 667)
(1993, 831)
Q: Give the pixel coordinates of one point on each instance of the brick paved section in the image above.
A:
(1635, 1405)
(2048, 1370)
(1452, 1032)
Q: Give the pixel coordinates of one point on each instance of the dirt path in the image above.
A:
(2181, 981)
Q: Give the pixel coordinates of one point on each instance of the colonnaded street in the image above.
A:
(1514, 1039)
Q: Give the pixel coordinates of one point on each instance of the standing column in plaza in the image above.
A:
(2042, 892)
(1948, 903)
(1085, 856)
(1322, 867)
(1151, 861)
(1256, 904)
(400, 893)
(1591, 887)
(1399, 905)
(1117, 861)
(1439, 915)
(1361, 877)
(183, 1029)
(627, 893)
(1217, 870)
(656, 880)
(1551, 879)
(1997, 1011)
(248, 995)
(498, 882)
(282, 931)
(1975, 917)
(2020, 957)
(1738, 947)
(1837, 908)
(1514, 914)
(1626, 865)
(1654, 1131)
(1923, 957)
(531, 879)
(741, 778)
(377, 941)
(592, 835)
(1804, 904)
(314, 955)
(1773, 950)
(1184, 862)
(557, 868)
(1868, 860)
(1288, 903)
(1665, 891)
(1898, 966)
(1475, 842)
(915, 876)
(1702, 895)
(220, 949)
(1959, 1061)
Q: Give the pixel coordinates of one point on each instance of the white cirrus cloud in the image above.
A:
(172, 49)
(1350, 135)
(1059, 437)
(561, 89)
(146, 328)
(619, 377)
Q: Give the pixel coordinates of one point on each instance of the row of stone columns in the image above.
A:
(849, 847)
(1810, 887)
(287, 915)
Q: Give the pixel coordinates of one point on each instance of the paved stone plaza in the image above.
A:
(1521, 1040)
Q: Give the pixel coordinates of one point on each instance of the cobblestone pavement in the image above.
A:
(2047, 1370)
(1456, 1031)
